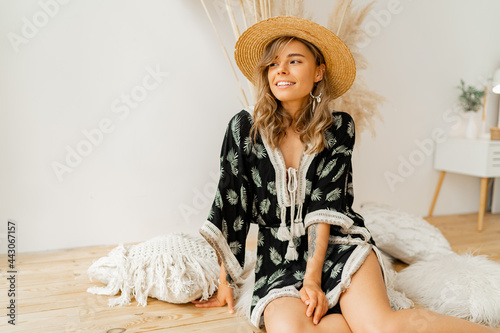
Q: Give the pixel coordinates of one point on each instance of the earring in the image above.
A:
(316, 100)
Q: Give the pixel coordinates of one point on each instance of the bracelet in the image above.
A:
(225, 283)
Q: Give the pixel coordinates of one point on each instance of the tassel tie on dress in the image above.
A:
(296, 225)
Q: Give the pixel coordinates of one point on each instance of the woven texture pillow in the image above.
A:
(404, 236)
(176, 268)
(463, 286)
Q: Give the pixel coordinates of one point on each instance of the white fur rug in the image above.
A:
(464, 286)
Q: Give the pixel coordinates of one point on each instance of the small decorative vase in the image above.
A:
(471, 129)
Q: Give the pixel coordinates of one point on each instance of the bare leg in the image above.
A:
(366, 308)
(288, 314)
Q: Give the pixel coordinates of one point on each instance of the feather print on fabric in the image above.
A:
(264, 206)
(274, 232)
(224, 228)
(232, 197)
(254, 206)
(256, 177)
(341, 150)
(275, 256)
(260, 282)
(238, 223)
(308, 187)
(235, 127)
(350, 129)
(258, 263)
(326, 265)
(222, 174)
(255, 148)
(274, 279)
(259, 151)
(271, 187)
(232, 158)
(334, 195)
(328, 168)
(243, 194)
(247, 145)
(336, 270)
(337, 120)
(299, 275)
(319, 169)
(218, 199)
(276, 275)
(260, 239)
(316, 195)
(330, 139)
(344, 247)
(235, 247)
(339, 174)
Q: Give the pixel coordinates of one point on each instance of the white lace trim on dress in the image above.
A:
(290, 194)
(217, 240)
(257, 317)
(338, 219)
(356, 259)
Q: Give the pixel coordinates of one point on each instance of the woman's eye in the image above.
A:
(273, 64)
(295, 62)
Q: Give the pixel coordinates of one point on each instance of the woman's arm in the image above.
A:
(318, 235)
(311, 293)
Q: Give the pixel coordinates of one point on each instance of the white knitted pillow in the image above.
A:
(404, 236)
(176, 268)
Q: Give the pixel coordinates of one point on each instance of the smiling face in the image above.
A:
(292, 75)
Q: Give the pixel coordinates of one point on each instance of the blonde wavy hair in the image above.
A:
(272, 121)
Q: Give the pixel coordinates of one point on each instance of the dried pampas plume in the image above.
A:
(359, 101)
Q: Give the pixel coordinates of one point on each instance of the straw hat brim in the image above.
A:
(339, 61)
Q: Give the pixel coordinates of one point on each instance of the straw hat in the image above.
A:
(340, 64)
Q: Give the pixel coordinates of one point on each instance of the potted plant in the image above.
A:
(470, 100)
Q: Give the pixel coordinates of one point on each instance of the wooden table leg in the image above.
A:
(482, 203)
(438, 188)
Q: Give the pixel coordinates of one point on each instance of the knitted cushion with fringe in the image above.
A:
(176, 268)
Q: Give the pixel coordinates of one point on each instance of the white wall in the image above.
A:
(417, 60)
(155, 169)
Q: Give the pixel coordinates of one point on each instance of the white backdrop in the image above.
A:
(112, 113)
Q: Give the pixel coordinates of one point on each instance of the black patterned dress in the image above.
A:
(256, 187)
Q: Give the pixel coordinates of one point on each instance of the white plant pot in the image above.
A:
(471, 128)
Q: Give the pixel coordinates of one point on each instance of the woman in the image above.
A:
(287, 167)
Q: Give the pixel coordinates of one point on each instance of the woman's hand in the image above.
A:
(315, 299)
(222, 297)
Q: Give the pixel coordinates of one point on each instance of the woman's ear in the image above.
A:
(320, 71)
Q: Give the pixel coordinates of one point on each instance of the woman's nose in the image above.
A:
(282, 69)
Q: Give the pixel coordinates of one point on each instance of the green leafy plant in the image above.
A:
(470, 97)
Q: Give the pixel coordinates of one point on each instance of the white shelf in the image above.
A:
(479, 158)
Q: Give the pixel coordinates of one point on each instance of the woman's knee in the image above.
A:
(285, 314)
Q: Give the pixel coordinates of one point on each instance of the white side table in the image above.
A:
(478, 158)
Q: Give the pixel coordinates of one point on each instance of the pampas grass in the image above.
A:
(360, 102)
(245, 101)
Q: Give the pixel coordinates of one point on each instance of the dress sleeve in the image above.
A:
(228, 221)
(331, 192)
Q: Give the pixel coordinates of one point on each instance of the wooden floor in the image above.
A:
(51, 290)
